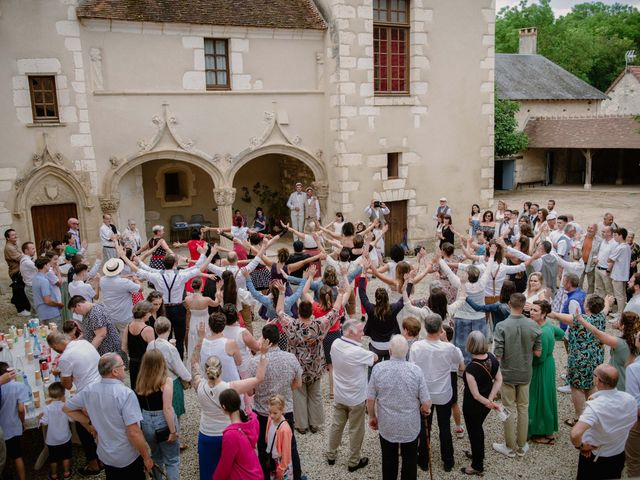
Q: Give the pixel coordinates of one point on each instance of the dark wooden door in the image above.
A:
(397, 220)
(50, 221)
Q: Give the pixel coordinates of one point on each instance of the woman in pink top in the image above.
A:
(238, 460)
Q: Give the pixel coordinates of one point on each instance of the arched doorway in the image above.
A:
(266, 182)
(165, 192)
(48, 195)
(152, 187)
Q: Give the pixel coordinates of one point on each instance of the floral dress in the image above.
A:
(585, 352)
(305, 342)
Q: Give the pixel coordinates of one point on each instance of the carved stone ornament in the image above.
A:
(274, 132)
(40, 160)
(114, 161)
(166, 126)
(224, 196)
(109, 205)
(225, 158)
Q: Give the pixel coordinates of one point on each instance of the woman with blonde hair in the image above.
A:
(536, 290)
(213, 418)
(159, 423)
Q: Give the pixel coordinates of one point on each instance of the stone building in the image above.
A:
(149, 110)
(624, 93)
(577, 134)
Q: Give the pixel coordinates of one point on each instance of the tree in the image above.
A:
(508, 139)
(589, 42)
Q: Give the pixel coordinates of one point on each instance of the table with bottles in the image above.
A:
(26, 350)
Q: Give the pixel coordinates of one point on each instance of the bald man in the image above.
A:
(74, 230)
(602, 430)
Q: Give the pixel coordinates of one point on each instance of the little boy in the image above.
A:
(58, 437)
(13, 396)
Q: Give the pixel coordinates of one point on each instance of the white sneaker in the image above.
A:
(522, 451)
(25, 313)
(459, 429)
(564, 389)
(502, 448)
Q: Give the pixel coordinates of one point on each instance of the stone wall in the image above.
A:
(624, 98)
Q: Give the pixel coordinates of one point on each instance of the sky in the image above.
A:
(562, 7)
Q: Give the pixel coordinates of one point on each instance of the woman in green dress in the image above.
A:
(543, 408)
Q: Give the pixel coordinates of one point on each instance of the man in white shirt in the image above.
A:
(376, 210)
(619, 263)
(114, 413)
(131, 236)
(442, 209)
(108, 237)
(633, 305)
(28, 270)
(171, 282)
(632, 448)
(436, 359)
(607, 221)
(603, 281)
(116, 293)
(350, 368)
(296, 205)
(74, 230)
(601, 432)
(78, 364)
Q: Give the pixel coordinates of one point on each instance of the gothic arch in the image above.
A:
(119, 170)
(316, 166)
(51, 184)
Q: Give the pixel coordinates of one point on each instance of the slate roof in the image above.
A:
(632, 69)
(293, 14)
(585, 132)
(534, 77)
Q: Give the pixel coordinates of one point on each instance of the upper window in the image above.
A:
(393, 161)
(44, 104)
(391, 46)
(216, 63)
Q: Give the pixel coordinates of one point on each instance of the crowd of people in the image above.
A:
(523, 280)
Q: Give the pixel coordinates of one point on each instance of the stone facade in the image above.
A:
(130, 93)
(624, 94)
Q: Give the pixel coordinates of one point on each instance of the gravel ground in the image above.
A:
(552, 462)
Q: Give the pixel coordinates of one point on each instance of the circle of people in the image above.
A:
(485, 319)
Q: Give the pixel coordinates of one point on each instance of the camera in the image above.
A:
(376, 204)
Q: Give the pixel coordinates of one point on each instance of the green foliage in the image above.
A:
(508, 139)
(589, 42)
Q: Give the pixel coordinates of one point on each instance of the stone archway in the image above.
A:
(51, 182)
(292, 153)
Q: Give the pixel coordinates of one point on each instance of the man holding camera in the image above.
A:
(376, 211)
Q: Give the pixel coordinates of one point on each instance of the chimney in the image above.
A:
(528, 41)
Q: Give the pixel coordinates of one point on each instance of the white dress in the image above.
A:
(197, 316)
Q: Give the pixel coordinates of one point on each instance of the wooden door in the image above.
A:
(397, 220)
(50, 221)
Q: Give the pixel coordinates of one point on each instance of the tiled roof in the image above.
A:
(296, 14)
(534, 77)
(632, 69)
(585, 132)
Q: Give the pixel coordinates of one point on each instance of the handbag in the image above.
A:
(162, 435)
(273, 465)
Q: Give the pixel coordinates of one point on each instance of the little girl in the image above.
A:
(58, 437)
(279, 440)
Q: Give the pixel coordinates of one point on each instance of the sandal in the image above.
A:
(301, 431)
(571, 422)
(471, 471)
(544, 440)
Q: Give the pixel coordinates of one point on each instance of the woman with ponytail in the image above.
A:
(239, 460)
(213, 419)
